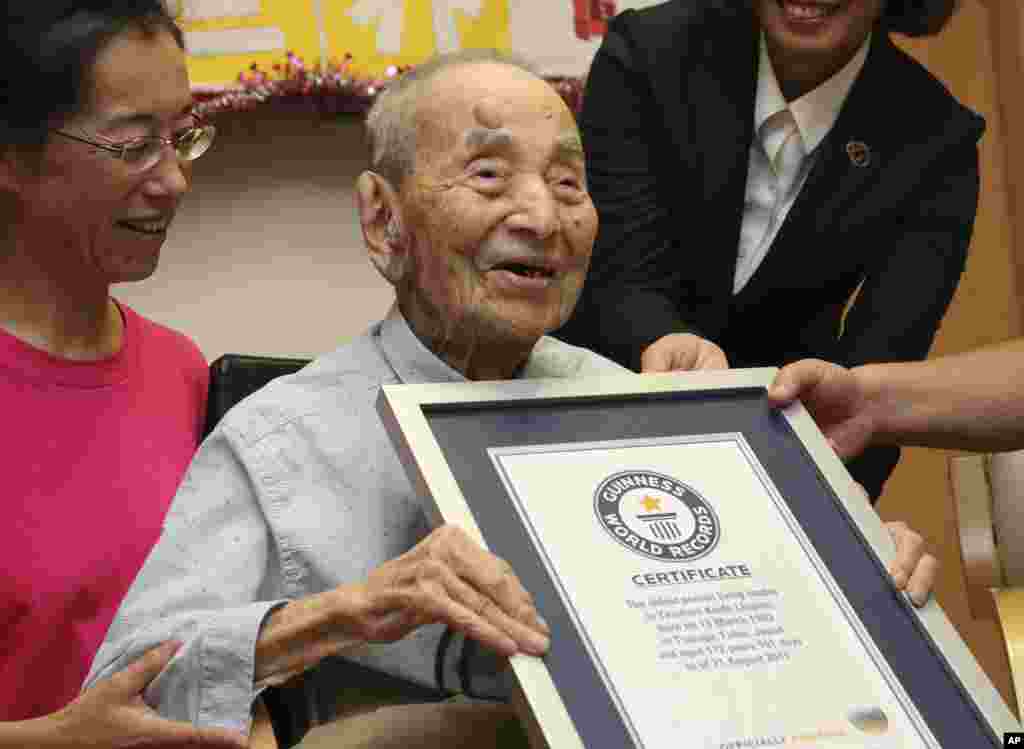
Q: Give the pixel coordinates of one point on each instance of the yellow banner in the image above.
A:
(225, 37)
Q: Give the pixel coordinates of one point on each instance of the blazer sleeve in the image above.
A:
(629, 299)
(908, 289)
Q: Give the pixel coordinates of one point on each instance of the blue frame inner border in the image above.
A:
(465, 431)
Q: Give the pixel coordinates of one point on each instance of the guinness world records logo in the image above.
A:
(656, 516)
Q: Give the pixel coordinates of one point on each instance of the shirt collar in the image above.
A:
(816, 111)
(409, 358)
(413, 362)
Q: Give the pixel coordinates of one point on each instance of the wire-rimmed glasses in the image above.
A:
(142, 154)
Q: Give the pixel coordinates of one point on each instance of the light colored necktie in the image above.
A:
(789, 155)
(769, 185)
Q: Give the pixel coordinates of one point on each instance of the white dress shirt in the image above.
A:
(769, 198)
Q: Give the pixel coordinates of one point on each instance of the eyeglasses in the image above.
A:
(142, 154)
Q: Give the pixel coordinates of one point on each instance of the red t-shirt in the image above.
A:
(92, 453)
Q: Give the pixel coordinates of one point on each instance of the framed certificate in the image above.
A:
(711, 574)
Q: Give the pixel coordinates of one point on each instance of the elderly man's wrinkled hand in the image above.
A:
(913, 570)
(449, 578)
(682, 352)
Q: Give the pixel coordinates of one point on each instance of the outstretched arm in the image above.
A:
(971, 401)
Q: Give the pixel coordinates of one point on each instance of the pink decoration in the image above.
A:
(326, 90)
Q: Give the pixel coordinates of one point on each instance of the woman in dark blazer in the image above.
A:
(886, 208)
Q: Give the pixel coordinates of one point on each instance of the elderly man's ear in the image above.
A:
(381, 222)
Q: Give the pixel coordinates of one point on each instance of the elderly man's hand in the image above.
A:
(112, 714)
(682, 352)
(835, 398)
(914, 570)
(449, 578)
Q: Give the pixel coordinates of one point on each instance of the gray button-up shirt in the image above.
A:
(297, 491)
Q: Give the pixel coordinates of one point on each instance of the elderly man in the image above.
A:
(296, 534)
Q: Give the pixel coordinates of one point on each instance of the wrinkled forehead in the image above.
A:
(492, 106)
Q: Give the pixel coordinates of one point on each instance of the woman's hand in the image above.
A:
(112, 714)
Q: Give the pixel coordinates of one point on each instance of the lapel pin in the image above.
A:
(859, 153)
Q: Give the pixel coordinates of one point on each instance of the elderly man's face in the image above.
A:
(497, 212)
(98, 216)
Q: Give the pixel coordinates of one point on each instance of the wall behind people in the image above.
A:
(266, 255)
(986, 308)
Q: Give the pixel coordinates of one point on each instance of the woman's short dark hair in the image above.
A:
(918, 17)
(48, 52)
